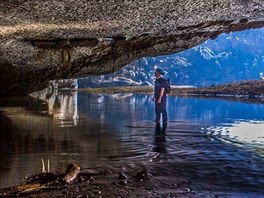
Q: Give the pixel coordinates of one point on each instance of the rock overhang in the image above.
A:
(42, 41)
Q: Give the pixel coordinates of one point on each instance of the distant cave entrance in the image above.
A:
(228, 58)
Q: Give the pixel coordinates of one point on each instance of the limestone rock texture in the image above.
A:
(57, 39)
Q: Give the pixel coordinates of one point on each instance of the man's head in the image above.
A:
(159, 72)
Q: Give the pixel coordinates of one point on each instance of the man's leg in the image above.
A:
(157, 112)
(164, 116)
(165, 122)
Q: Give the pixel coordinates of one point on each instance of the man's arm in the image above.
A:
(161, 94)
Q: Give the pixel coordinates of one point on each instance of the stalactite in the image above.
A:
(66, 59)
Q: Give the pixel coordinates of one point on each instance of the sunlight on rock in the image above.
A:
(7, 30)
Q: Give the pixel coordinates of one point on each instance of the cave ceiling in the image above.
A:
(55, 39)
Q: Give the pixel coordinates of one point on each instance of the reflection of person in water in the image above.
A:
(160, 143)
(160, 99)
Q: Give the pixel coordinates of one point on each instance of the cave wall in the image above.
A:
(47, 40)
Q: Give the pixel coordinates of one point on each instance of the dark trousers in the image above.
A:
(161, 109)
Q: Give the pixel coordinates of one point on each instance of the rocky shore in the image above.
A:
(252, 90)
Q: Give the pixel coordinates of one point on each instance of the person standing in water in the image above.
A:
(160, 99)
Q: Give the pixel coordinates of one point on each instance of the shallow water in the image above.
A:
(213, 144)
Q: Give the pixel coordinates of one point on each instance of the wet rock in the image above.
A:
(71, 173)
(41, 178)
(143, 175)
(122, 182)
(122, 176)
(183, 182)
(84, 177)
(44, 181)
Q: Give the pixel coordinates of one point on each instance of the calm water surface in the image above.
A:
(216, 144)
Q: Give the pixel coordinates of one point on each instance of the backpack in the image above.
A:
(168, 86)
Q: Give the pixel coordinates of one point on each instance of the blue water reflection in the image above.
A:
(213, 110)
(222, 118)
(235, 121)
(128, 108)
(117, 130)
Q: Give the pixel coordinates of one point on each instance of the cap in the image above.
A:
(160, 71)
